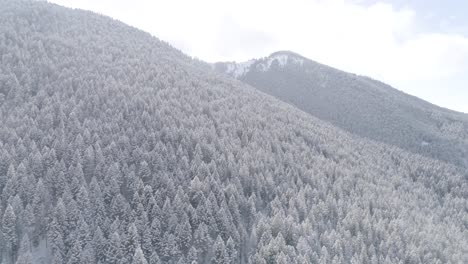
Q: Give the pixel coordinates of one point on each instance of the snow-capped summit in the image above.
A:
(277, 59)
(360, 105)
(281, 58)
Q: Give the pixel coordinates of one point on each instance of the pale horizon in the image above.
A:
(415, 47)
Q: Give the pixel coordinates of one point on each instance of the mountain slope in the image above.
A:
(116, 148)
(358, 104)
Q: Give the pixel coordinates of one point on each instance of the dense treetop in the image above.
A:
(117, 148)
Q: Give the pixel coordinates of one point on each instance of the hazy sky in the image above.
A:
(419, 46)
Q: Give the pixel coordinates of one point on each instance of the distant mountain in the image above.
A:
(358, 104)
(116, 148)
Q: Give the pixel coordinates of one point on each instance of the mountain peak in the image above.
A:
(279, 58)
(346, 99)
(282, 58)
(286, 53)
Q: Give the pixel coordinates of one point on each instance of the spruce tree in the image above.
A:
(139, 257)
(219, 254)
(24, 253)
(113, 251)
(9, 233)
(231, 251)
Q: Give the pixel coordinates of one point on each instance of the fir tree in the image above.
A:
(154, 258)
(9, 233)
(219, 254)
(24, 253)
(231, 251)
(113, 253)
(138, 257)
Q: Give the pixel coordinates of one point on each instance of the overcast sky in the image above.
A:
(419, 46)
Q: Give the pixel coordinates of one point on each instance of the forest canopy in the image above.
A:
(117, 148)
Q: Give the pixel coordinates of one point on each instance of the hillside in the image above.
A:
(360, 105)
(117, 148)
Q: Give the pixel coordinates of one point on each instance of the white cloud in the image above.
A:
(375, 40)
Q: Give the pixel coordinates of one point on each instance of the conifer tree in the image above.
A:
(192, 255)
(131, 242)
(154, 258)
(113, 253)
(138, 257)
(24, 253)
(74, 254)
(231, 251)
(99, 245)
(219, 254)
(9, 233)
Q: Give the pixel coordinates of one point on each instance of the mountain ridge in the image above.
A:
(358, 104)
(216, 66)
(116, 148)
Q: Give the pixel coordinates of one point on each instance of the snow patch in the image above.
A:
(237, 70)
(243, 68)
(281, 59)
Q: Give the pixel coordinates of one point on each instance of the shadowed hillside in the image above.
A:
(360, 105)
